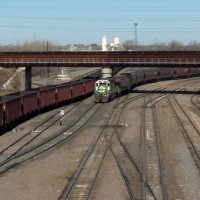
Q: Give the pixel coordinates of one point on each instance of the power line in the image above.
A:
(110, 29)
(108, 9)
(97, 19)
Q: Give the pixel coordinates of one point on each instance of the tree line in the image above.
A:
(128, 45)
(170, 46)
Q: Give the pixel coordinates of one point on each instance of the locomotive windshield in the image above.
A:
(104, 90)
(103, 83)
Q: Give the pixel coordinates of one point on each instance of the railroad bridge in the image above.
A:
(108, 59)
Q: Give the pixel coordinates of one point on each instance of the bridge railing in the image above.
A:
(103, 61)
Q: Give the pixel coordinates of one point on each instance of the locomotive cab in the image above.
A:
(104, 90)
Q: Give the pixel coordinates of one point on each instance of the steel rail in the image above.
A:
(159, 154)
(131, 194)
(197, 100)
(38, 152)
(127, 182)
(132, 160)
(151, 105)
(189, 139)
(67, 192)
(27, 134)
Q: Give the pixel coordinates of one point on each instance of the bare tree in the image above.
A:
(175, 45)
(194, 46)
(128, 45)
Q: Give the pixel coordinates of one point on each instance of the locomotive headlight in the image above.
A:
(108, 88)
(4, 107)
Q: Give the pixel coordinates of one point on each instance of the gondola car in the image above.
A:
(29, 103)
(63, 93)
(1, 114)
(10, 110)
(46, 97)
(89, 86)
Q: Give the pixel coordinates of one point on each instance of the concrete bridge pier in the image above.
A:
(115, 70)
(28, 78)
(106, 72)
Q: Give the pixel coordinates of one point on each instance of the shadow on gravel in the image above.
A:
(165, 92)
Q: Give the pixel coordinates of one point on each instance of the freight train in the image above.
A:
(17, 107)
(109, 88)
(20, 106)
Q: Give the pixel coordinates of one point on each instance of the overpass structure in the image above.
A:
(107, 60)
(101, 59)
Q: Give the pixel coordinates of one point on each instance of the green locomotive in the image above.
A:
(105, 90)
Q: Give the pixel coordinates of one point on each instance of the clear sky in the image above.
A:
(86, 21)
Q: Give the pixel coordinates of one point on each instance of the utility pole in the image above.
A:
(135, 25)
(48, 66)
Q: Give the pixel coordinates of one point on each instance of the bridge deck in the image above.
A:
(100, 59)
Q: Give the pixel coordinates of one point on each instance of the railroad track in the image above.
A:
(15, 147)
(195, 101)
(152, 159)
(152, 168)
(80, 187)
(131, 176)
(20, 157)
(17, 150)
(65, 133)
(191, 132)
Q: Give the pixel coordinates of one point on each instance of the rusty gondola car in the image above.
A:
(21, 105)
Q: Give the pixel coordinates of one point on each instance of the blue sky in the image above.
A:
(86, 21)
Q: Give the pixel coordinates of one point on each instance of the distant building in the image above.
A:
(81, 47)
(113, 46)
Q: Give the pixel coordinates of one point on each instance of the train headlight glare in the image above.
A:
(4, 106)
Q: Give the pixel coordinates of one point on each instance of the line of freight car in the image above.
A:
(107, 89)
(22, 105)
(158, 74)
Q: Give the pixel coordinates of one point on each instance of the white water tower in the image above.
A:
(104, 44)
(116, 41)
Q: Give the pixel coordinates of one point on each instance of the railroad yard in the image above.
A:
(145, 144)
(100, 100)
